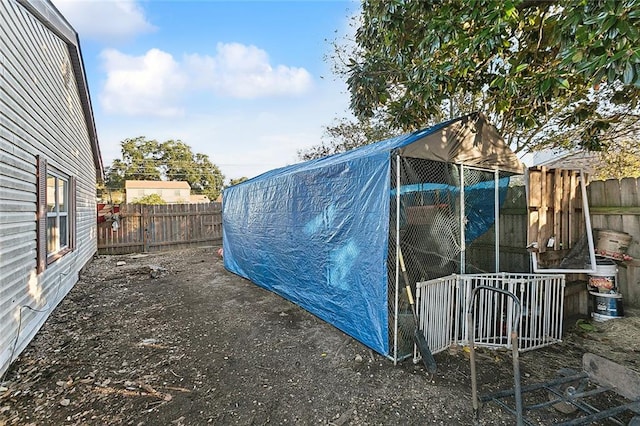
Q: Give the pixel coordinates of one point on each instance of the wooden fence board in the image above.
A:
(144, 228)
(614, 205)
(553, 206)
(616, 208)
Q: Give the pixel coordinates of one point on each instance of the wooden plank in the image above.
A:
(630, 274)
(573, 232)
(595, 194)
(557, 194)
(120, 245)
(535, 196)
(622, 210)
(606, 373)
(533, 205)
(543, 220)
(613, 197)
(564, 209)
(630, 192)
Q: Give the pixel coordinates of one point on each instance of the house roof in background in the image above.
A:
(156, 184)
(586, 161)
(53, 20)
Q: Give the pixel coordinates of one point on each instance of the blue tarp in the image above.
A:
(317, 232)
(479, 202)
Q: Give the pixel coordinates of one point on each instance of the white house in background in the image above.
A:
(199, 198)
(173, 192)
(49, 164)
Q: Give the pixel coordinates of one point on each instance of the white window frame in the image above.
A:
(58, 215)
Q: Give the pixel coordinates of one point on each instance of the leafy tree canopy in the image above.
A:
(345, 135)
(150, 199)
(173, 160)
(560, 72)
(237, 181)
(621, 160)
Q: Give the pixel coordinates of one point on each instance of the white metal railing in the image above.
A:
(442, 308)
(438, 311)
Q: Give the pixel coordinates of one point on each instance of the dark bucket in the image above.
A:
(607, 306)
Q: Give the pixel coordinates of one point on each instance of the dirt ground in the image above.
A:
(175, 339)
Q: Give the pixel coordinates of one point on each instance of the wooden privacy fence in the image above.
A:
(615, 206)
(140, 228)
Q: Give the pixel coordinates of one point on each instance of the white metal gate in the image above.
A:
(442, 309)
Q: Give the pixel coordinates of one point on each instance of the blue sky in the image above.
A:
(245, 82)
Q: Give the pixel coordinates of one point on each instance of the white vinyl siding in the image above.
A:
(41, 116)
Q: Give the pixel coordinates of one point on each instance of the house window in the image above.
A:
(56, 219)
(57, 213)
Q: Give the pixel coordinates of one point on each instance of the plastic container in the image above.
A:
(605, 279)
(612, 244)
(606, 306)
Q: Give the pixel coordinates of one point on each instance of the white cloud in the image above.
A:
(240, 71)
(245, 140)
(155, 84)
(142, 85)
(105, 20)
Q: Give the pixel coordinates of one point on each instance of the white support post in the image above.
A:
(463, 247)
(397, 295)
(496, 193)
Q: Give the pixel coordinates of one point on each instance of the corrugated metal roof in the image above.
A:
(156, 184)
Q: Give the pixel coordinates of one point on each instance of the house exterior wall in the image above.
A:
(170, 195)
(172, 192)
(41, 114)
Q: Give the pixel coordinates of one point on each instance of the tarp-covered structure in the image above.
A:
(323, 233)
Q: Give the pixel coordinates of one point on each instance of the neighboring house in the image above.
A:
(589, 162)
(198, 198)
(49, 164)
(172, 192)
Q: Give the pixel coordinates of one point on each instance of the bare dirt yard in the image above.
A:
(175, 339)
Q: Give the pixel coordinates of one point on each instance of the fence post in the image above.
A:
(144, 218)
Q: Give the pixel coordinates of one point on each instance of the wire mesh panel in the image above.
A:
(425, 225)
(483, 192)
(429, 218)
(440, 212)
(541, 298)
(441, 218)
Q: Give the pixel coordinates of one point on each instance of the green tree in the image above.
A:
(347, 134)
(547, 71)
(173, 160)
(237, 181)
(150, 199)
(621, 160)
(139, 162)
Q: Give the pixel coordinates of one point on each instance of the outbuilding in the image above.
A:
(327, 233)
